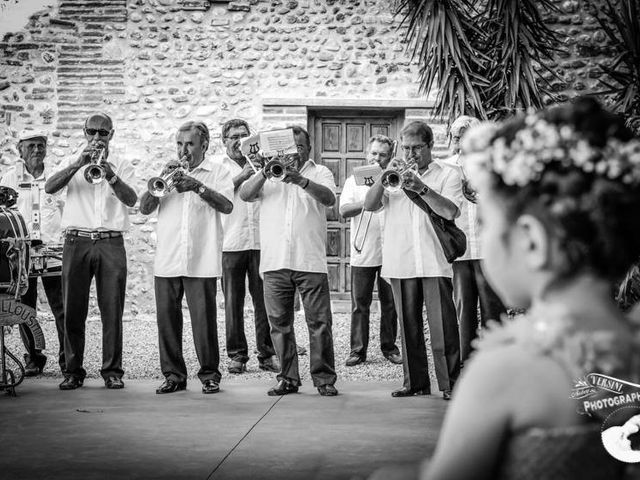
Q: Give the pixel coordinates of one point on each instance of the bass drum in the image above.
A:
(14, 253)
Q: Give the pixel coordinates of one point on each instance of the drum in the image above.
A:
(45, 260)
(14, 252)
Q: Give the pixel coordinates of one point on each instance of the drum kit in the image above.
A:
(21, 256)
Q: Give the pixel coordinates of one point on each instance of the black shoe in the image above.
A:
(446, 394)
(394, 358)
(283, 388)
(71, 383)
(327, 390)
(269, 364)
(31, 369)
(170, 386)
(114, 383)
(354, 360)
(237, 367)
(409, 392)
(210, 386)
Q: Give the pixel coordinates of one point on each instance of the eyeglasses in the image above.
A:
(92, 131)
(414, 148)
(238, 137)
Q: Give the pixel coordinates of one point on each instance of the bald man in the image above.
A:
(94, 219)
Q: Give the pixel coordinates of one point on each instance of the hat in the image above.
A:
(30, 133)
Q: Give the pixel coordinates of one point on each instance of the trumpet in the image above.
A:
(392, 180)
(276, 168)
(95, 172)
(162, 185)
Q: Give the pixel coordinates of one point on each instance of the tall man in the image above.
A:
(366, 262)
(241, 260)
(413, 259)
(469, 283)
(27, 177)
(189, 258)
(293, 232)
(95, 217)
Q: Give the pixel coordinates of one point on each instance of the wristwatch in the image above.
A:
(424, 191)
(113, 180)
(201, 189)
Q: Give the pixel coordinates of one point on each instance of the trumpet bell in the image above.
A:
(391, 181)
(275, 170)
(158, 187)
(95, 174)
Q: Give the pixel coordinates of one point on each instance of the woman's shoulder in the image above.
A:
(556, 335)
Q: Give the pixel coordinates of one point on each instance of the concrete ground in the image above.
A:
(240, 433)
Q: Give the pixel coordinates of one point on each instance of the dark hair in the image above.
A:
(594, 217)
(381, 139)
(233, 123)
(200, 127)
(297, 130)
(418, 128)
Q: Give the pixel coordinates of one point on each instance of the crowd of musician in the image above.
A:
(245, 220)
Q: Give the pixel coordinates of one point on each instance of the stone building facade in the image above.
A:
(338, 67)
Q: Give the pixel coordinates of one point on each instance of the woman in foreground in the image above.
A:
(559, 200)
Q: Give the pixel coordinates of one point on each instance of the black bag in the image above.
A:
(451, 237)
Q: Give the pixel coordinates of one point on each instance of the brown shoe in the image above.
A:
(327, 390)
(237, 367)
(394, 358)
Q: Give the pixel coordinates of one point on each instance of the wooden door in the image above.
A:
(340, 143)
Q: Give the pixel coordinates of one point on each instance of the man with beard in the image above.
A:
(241, 260)
(30, 171)
(293, 233)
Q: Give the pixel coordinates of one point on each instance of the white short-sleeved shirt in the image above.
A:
(50, 205)
(371, 243)
(410, 247)
(293, 225)
(189, 231)
(242, 226)
(468, 219)
(96, 207)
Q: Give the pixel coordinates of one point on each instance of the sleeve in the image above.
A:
(452, 187)
(325, 177)
(347, 195)
(126, 172)
(223, 183)
(9, 178)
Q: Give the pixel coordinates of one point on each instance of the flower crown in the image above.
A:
(541, 143)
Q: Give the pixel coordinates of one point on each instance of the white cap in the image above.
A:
(30, 133)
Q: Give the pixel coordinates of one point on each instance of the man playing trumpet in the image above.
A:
(366, 262)
(414, 261)
(95, 216)
(189, 257)
(293, 233)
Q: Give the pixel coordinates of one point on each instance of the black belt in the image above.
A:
(94, 235)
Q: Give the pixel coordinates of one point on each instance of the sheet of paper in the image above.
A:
(367, 174)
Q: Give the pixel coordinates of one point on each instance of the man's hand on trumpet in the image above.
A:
(185, 183)
(412, 182)
(252, 165)
(295, 177)
(90, 153)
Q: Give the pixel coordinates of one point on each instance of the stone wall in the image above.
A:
(153, 64)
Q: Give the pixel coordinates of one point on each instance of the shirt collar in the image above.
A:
(206, 164)
(26, 172)
(308, 164)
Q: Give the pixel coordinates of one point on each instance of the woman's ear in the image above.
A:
(532, 242)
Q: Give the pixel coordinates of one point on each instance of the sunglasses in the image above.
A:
(92, 131)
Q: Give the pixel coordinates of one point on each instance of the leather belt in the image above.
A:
(93, 235)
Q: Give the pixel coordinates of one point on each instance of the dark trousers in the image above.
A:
(279, 291)
(362, 281)
(436, 293)
(53, 290)
(106, 260)
(236, 267)
(469, 287)
(201, 300)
